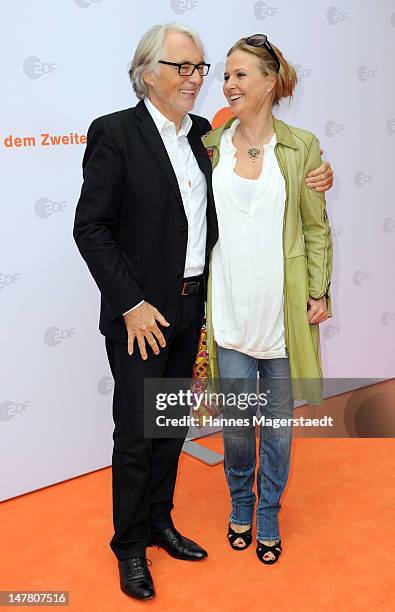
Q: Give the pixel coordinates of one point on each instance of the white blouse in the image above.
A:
(247, 261)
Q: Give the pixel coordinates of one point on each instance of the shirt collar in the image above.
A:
(163, 123)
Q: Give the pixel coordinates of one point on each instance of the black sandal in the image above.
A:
(246, 536)
(262, 549)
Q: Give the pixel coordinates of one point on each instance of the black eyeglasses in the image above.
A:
(189, 69)
(260, 40)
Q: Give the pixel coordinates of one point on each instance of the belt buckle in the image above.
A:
(186, 286)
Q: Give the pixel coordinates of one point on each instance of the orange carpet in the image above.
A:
(336, 521)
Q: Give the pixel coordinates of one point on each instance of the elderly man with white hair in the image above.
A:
(145, 224)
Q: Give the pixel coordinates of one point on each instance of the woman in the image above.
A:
(269, 278)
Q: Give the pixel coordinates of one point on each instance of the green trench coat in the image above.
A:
(307, 249)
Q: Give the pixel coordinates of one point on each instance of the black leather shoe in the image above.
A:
(135, 578)
(177, 546)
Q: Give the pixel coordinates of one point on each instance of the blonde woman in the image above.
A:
(269, 279)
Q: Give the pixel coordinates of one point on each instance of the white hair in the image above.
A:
(148, 53)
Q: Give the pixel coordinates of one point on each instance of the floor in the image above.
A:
(337, 524)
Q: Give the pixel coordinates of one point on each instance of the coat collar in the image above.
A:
(283, 134)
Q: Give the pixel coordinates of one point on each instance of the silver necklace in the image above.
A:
(253, 152)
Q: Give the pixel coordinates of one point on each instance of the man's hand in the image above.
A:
(317, 311)
(141, 325)
(320, 179)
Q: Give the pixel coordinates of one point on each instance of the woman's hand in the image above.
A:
(317, 311)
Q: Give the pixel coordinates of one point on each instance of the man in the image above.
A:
(145, 224)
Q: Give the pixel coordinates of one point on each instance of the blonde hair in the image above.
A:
(148, 53)
(286, 77)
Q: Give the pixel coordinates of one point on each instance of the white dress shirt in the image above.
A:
(247, 261)
(192, 184)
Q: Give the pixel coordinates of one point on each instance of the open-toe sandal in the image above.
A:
(246, 536)
(262, 549)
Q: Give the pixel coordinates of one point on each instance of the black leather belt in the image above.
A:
(191, 285)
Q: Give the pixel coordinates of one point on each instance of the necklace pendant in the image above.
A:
(253, 153)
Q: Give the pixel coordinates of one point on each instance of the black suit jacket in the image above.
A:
(130, 224)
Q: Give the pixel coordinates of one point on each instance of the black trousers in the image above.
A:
(144, 470)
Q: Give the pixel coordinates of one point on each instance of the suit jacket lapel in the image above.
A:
(202, 158)
(199, 151)
(155, 143)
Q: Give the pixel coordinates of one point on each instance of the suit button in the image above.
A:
(180, 275)
(183, 230)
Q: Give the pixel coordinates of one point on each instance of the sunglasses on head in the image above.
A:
(260, 40)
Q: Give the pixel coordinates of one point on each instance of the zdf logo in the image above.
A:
(44, 207)
(332, 128)
(180, 6)
(262, 10)
(387, 317)
(34, 68)
(6, 280)
(105, 385)
(9, 409)
(388, 225)
(365, 73)
(331, 331)
(302, 73)
(54, 335)
(86, 3)
(334, 15)
(359, 277)
(361, 179)
(391, 126)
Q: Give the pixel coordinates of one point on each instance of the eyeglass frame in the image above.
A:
(263, 42)
(195, 67)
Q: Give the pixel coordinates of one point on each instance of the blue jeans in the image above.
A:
(274, 443)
